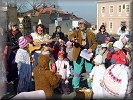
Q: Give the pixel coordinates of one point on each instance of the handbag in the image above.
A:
(6, 50)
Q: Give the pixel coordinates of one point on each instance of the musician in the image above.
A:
(40, 36)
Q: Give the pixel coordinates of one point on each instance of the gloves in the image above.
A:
(66, 81)
(112, 50)
(112, 60)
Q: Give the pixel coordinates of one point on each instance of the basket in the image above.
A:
(84, 93)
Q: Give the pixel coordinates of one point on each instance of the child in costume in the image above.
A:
(69, 51)
(45, 79)
(63, 69)
(96, 76)
(22, 59)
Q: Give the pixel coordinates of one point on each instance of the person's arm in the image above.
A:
(54, 79)
(122, 59)
(94, 43)
(119, 31)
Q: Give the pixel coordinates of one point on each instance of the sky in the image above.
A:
(86, 9)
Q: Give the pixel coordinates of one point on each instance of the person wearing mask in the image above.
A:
(83, 39)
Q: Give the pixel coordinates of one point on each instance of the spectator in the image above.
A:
(102, 34)
(122, 32)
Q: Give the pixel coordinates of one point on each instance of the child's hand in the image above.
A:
(89, 79)
(101, 83)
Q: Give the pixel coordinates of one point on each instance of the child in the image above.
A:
(116, 82)
(98, 47)
(96, 76)
(104, 53)
(45, 79)
(63, 69)
(69, 51)
(116, 54)
(22, 59)
(126, 50)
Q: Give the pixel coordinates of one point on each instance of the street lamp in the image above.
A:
(21, 27)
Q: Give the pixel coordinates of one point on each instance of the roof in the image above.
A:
(46, 10)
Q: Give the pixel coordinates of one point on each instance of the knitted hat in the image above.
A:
(98, 59)
(68, 43)
(23, 43)
(104, 45)
(118, 44)
(60, 53)
(82, 21)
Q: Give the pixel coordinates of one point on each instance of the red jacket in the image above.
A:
(119, 57)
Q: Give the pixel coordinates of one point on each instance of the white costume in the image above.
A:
(97, 74)
(122, 35)
(115, 82)
(63, 68)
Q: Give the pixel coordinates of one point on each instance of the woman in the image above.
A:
(12, 43)
(38, 38)
(102, 35)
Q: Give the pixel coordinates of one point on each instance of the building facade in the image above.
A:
(113, 13)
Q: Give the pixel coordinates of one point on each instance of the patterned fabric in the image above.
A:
(22, 56)
(115, 81)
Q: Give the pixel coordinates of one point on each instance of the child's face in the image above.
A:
(116, 49)
(60, 58)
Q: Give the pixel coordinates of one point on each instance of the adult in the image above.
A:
(84, 39)
(39, 36)
(102, 34)
(56, 44)
(122, 32)
(12, 43)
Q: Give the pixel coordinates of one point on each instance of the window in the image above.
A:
(119, 9)
(123, 23)
(111, 25)
(127, 8)
(103, 9)
(123, 6)
(111, 9)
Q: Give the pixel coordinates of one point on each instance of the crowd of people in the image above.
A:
(51, 60)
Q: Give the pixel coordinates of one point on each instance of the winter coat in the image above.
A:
(77, 48)
(63, 68)
(119, 57)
